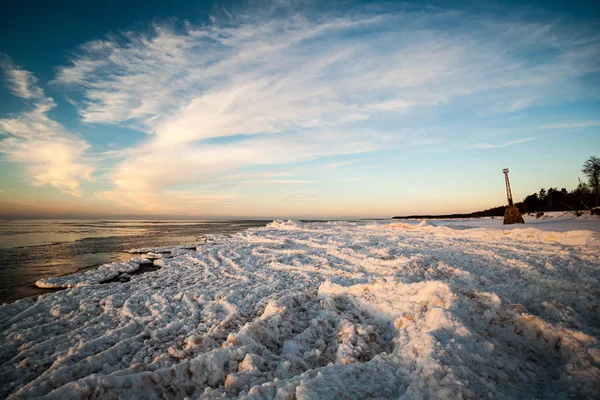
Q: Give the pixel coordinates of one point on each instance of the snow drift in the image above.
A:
(322, 310)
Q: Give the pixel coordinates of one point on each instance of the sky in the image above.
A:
(292, 109)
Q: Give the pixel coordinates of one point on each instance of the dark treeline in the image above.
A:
(491, 212)
(551, 199)
(584, 197)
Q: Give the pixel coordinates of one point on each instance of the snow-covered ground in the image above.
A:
(388, 309)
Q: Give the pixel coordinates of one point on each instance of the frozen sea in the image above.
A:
(455, 309)
(35, 249)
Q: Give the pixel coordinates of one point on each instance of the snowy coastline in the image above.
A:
(412, 309)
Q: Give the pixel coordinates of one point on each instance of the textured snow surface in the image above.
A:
(322, 310)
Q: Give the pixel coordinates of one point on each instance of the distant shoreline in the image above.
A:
(449, 216)
(492, 212)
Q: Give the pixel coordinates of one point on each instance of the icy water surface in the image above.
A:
(34, 249)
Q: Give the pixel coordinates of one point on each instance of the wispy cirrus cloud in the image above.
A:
(338, 164)
(498, 145)
(254, 89)
(51, 155)
(272, 182)
(22, 83)
(569, 125)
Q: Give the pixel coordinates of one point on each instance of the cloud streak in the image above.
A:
(569, 125)
(499, 145)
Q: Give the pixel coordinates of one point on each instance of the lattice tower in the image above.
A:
(508, 192)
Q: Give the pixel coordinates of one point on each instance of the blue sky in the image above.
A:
(292, 108)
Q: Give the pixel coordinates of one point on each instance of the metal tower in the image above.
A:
(511, 213)
(508, 192)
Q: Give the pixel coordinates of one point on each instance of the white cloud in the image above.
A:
(497, 145)
(267, 75)
(569, 125)
(272, 182)
(22, 83)
(396, 104)
(50, 154)
(142, 177)
(338, 164)
(199, 198)
(261, 89)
